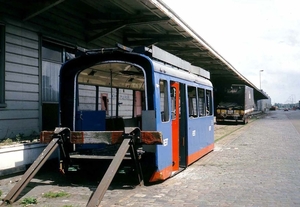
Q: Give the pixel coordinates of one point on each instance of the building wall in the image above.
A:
(23, 85)
(87, 100)
(21, 115)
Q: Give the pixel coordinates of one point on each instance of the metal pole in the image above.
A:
(260, 78)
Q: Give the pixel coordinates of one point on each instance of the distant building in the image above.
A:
(264, 104)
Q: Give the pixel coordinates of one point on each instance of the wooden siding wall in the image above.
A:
(21, 116)
(87, 100)
(23, 82)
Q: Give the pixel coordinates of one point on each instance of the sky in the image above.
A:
(252, 35)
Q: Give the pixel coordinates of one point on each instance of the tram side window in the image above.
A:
(173, 103)
(164, 103)
(201, 102)
(192, 98)
(208, 103)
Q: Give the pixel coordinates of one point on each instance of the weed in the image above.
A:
(7, 141)
(28, 201)
(55, 194)
(34, 136)
(0, 193)
(19, 137)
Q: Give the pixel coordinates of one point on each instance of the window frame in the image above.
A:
(54, 52)
(202, 103)
(208, 104)
(192, 101)
(2, 66)
(164, 101)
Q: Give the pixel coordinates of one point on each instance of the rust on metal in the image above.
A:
(77, 137)
(151, 137)
(116, 137)
(107, 137)
(46, 136)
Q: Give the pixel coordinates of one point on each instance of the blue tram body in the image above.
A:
(163, 93)
(196, 131)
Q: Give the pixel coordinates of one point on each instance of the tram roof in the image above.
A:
(98, 24)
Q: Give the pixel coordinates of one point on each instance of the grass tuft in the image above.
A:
(55, 194)
(28, 201)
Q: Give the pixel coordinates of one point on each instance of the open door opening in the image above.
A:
(182, 126)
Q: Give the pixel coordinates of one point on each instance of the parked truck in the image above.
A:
(236, 103)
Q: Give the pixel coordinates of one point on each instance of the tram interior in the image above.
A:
(110, 97)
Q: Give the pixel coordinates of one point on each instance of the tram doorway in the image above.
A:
(182, 111)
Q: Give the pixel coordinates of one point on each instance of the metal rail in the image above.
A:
(61, 137)
(130, 138)
(30, 173)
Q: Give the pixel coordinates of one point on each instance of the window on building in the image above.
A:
(192, 98)
(2, 66)
(52, 60)
(164, 103)
(53, 55)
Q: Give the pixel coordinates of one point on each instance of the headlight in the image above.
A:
(237, 112)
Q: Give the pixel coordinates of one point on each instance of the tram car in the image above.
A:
(145, 90)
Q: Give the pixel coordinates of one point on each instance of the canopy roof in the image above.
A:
(96, 24)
